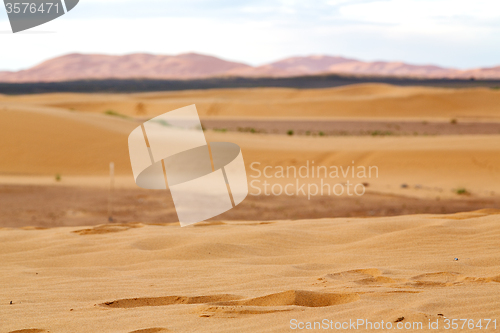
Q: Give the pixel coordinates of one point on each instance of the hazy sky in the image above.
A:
(453, 33)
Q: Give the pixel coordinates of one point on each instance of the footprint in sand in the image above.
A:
(298, 298)
(355, 275)
(207, 311)
(108, 228)
(168, 300)
(439, 279)
(367, 276)
(152, 330)
(362, 276)
(446, 279)
(470, 215)
(231, 304)
(272, 303)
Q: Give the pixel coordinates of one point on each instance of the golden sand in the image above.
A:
(362, 101)
(250, 276)
(254, 276)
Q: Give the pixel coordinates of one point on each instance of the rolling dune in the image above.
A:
(272, 261)
(37, 142)
(42, 137)
(363, 101)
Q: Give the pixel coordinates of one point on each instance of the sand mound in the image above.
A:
(168, 300)
(360, 276)
(152, 330)
(470, 215)
(438, 277)
(291, 297)
(108, 228)
(301, 298)
(355, 101)
(375, 277)
(206, 311)
(357, 273)
(68, 135)
(46, 143)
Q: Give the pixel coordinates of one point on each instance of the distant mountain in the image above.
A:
(316, 64)
(97, 66)
(197, 66)
(322, 64)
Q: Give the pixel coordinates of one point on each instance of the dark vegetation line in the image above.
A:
(301, 82)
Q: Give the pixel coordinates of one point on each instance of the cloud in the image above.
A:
(445, 32)
(404, 12)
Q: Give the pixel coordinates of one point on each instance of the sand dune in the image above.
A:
(37, 142)
(43, 136)
(251, 277)
(440, 164)
(145, 274)
(364, 101)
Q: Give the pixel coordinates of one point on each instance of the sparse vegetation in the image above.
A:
(381, 133)
(249, 130)
(462, 191)
(140, 109)
(290, 132)
(321, 133)
(115, 114)
(58, 177)
(222, 130)
(495, 88)
(453, 121)
(153, 85)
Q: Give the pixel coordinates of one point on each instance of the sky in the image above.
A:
(450, 33)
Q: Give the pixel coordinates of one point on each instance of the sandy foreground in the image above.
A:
(251, 276)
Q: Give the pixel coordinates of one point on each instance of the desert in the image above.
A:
(419, 246)
(250, 276)
(249, 166)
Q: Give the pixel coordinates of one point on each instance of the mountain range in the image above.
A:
(197, 66)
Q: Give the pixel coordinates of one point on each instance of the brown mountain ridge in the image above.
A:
(196, 66)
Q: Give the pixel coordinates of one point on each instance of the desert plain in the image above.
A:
(420, 245)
